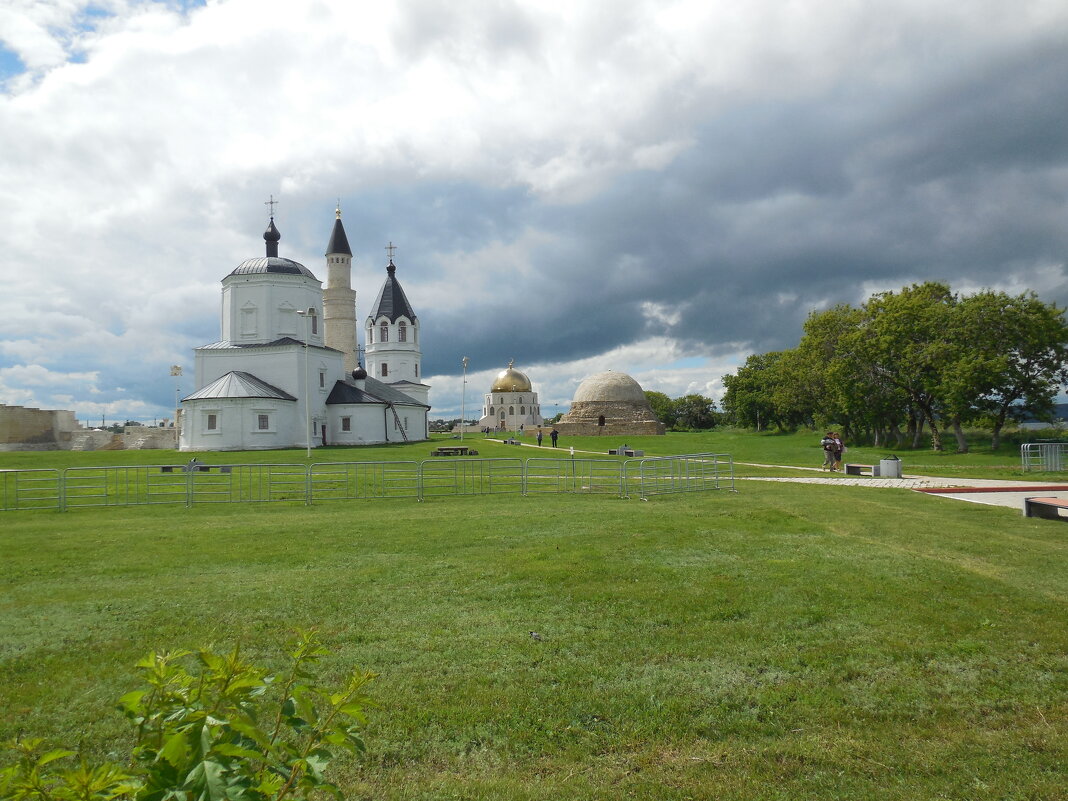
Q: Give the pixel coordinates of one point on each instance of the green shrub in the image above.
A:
(209, 726)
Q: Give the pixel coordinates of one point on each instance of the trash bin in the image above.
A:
(890, 467)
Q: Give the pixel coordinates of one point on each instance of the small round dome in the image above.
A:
(510, 380)
(359, 373)
(271, 234)
(609, 387)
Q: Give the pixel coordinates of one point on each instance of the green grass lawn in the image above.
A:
(782, 642)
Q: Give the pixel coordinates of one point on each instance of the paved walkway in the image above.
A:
(992, 492)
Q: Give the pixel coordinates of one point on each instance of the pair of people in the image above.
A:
(552, 435)
(833, 448)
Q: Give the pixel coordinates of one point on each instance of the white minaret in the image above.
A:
(392, 337)
(339, 298)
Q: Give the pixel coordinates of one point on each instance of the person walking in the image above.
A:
(540, 435)
(839, 450)
(828, 444)
(553, 435)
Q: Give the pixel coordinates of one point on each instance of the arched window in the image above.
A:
(502, 412)
(370, 334)
(522, 409)
(383, 332)
(402, 331)
(491, 411)
(511, 411)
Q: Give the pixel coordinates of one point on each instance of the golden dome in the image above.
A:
(510, 380)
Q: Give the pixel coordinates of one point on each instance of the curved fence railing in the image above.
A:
(199, 483)
(1046, 456)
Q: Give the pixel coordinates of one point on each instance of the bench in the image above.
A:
(450, 450)
(861, 470)
(1046, 508)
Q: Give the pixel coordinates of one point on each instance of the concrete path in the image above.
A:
(993, 492)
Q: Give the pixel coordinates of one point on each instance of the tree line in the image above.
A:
(923, 359)
(689, 413)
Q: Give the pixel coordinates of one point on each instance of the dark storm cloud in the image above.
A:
(781, 208)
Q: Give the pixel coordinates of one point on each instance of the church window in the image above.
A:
(511, 410)
(417, 370)
(491, 411)
(212, 422)
(346, 424)
(502, 412)
(520, 398)
(383, 332)
(370, 335)
(248, 321)
(263, 422)
(384, 370)
(522, 409)
(322, 379)
(402, 331)
(315, 324)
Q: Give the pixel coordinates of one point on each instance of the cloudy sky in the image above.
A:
(659, 188)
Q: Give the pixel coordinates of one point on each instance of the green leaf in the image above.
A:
(175, 749)
(229, 749)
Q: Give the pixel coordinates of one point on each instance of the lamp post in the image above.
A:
(463, 399)
(307, 388)
(176, 372)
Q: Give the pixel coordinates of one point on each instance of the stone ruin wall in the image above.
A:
(24, 428)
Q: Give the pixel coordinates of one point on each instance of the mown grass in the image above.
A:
(782, 642)
(748, 449)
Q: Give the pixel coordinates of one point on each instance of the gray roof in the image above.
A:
(239, 384)
(392, 302)
(272, 264)
(374, 391)
(276, 343)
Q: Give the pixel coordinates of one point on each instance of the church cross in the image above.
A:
(271, 203)
(389, 249)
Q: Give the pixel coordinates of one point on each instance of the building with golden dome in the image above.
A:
(610, 403)
(511, 403)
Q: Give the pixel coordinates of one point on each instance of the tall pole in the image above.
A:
(307, 388)
(176, 371)
(463, 398)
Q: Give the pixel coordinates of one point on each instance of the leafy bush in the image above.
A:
(209, 727)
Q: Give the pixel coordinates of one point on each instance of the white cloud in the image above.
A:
(143, 137)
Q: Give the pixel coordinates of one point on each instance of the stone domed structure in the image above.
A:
(610, 403)
(511, 403)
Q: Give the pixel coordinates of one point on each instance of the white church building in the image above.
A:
(286, 373)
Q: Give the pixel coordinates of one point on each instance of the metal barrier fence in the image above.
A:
(459, 476)
(1048, 456)
(336, 481)
(30, 489)
(574, 475)
(662, 475)
(195, 483)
